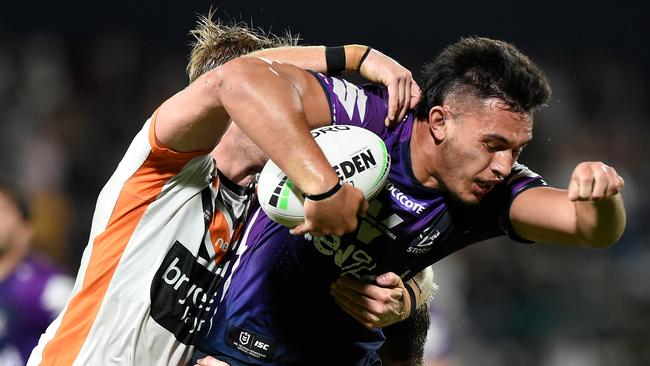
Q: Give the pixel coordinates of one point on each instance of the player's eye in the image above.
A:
(493, 147)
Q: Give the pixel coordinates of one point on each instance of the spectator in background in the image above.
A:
(32, 290)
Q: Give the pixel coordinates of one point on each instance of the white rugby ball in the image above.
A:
(358, 156)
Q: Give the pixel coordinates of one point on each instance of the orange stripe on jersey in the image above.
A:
(83, 307)
(138, 192)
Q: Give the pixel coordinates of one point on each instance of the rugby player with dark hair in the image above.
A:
(455, 180)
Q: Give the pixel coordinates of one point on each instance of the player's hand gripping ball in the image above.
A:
(358, 156)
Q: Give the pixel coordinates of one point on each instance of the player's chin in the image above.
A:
(472, 200)
(467, 198)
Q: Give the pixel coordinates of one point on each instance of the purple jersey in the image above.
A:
(30, 298)
(276, 307)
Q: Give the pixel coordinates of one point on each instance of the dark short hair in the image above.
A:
(17, 197)
(485, 68)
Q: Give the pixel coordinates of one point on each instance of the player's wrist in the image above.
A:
(412, 305)
(321, 181)
(327, 194)
(347, 58)
(354, 56)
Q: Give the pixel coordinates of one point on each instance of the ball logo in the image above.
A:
(328, 129)
(357, 164)
(280, 196)
(345, 170)
(357, 156)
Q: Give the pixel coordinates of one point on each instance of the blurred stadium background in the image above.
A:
(78, 79)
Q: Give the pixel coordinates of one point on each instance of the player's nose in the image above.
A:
(501, 164)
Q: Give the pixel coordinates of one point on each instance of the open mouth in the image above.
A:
(483, 187)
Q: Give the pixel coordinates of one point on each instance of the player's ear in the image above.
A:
(437, 123)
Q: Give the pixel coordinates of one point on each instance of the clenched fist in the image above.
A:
(594, 181)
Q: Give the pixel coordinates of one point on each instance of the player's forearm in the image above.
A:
(268, 108)
(312, 57)
(411, 298)
(426, 285)
(423, 286)
(600, 223)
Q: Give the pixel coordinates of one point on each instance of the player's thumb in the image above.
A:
(415, 95)
(299, 229)
(389, 279)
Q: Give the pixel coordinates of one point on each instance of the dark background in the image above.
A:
(78, 79)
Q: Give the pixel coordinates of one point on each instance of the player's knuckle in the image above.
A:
(323, 230)
(600, 174)
(373, 309)
(585, 177)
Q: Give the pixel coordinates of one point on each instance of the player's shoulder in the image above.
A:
(362, 105)
(521, 171)
(522, 178)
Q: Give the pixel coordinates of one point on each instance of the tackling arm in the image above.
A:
(403, 91)
(385, 302)
(271, 103)
(239, 158)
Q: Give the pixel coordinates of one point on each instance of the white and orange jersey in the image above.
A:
(147, 275)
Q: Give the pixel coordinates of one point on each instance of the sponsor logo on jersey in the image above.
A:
(424, 242)
(244, 338)
(430, 235)
(404, 200)
(352, 260)
(251, 343)
(356, 164)
(181, 294)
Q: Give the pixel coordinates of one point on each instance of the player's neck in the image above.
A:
(239, 172)
(423, 153)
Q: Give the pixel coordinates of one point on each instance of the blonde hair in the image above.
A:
(215, 43)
